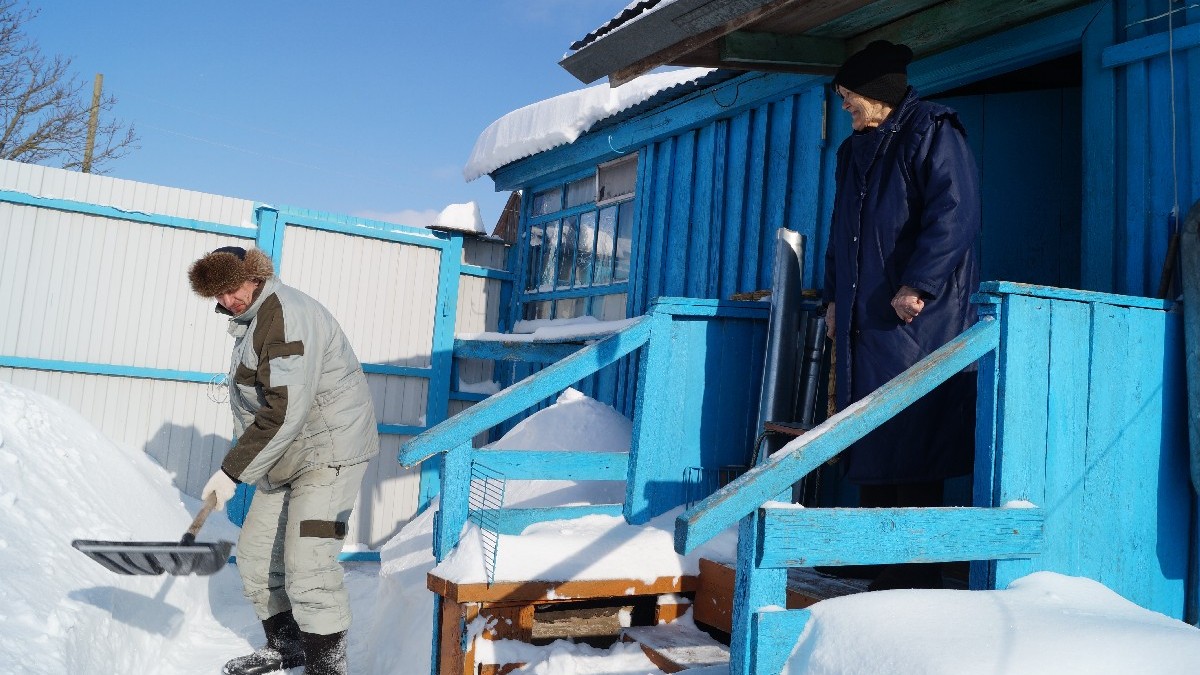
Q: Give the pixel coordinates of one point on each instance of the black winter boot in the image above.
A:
(283, 650)
(324, 654)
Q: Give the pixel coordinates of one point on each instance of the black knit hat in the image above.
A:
(879, 71)
(227, 268)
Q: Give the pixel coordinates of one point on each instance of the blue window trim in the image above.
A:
(582, 292)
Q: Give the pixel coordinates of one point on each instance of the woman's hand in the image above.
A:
(908, 303)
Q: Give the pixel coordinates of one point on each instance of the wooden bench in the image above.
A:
(508, 610)
(675, 647)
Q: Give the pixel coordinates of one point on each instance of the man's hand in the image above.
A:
(220, 485)
(830, 322)
(908, 303)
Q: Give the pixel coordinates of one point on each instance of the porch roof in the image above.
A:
(805, 36)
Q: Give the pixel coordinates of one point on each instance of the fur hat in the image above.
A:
(879, 71)
(227, 268)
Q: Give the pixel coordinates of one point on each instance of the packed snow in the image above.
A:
(63, 613)
(562, 119)
(460, 217)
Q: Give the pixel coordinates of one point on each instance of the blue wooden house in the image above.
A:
(1083, 118)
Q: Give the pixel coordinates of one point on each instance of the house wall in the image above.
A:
(99, 315)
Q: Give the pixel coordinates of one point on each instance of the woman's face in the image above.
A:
(865, 113)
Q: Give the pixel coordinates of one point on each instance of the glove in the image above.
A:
(220, 485)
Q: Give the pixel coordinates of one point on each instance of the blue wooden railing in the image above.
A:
(1079, 396)
(773, 538)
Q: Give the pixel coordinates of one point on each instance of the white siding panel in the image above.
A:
(383, 293)
(41, 181)
(99, 290)
(388, 498)
(176, 423)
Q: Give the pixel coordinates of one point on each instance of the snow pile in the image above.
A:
(562, 119)
(461, 217)
(1043, 624)
(555, 330)
(61, 611)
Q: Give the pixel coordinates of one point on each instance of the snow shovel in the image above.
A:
(158, 557)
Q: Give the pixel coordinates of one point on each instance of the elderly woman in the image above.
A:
(899, 272)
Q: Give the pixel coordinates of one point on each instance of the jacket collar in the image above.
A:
(894, 120)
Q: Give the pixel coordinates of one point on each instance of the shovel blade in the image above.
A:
(154, 558)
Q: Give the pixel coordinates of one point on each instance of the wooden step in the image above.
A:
(714, 592)
(675, 647)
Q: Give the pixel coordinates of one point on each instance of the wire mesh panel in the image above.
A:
(484, 504)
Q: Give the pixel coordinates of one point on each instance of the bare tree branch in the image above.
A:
(44, 107)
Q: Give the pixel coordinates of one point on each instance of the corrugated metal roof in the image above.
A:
(634, 9)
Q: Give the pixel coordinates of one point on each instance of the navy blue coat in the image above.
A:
(906, 213)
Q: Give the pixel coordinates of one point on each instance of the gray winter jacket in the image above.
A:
(299, 396)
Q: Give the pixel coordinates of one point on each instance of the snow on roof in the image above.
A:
(562, 119)
(462, 217)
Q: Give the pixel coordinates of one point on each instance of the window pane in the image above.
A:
(609, 307)
(549, 257)
(536, 310)
(566, 251)
(605, 238)
(533, 269)
(624, 241)
(617, 179)
(585, 255)
(547, 201)
(582, 191)
(569, 309)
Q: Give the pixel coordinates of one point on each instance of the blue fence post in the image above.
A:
(455, 504)
(270, 233)
(652, 418)
(437, 406)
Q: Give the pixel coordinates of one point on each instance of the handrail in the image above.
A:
(494, 410)
(808, 452)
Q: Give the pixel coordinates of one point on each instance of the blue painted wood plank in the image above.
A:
(807, 452)
(733, 216)
(455, 499)
(514, 521)
(655, 412)
(752, 212)
(797, 537)
(1070, 363)
(363, 227)
(779, 148)
(529, 352)
(1189, 249)
(754, 589)
(656, 228)
(69, 206)
(702, 307)
(114, 370)
(487, 273)
(1052, 293)
(677, 221)
(1142, 49)
(1100, 211)
(718, 224)
(775, 634)
(402, 371)
(399, 429)
(701, 218)
(1021, 438)
(498, 408)
(555, 464)
(1132, 246)
(637, 299)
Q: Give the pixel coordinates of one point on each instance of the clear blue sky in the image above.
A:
(367, 107)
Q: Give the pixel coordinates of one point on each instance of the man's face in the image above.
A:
(238, 300)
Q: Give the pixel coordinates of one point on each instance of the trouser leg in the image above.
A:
(319, 508)
(260, 553)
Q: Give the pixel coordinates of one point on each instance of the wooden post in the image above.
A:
(93, 122)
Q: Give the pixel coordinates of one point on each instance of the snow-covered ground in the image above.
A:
(62, 613)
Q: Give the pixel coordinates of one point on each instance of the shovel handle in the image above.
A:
(189, 537)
